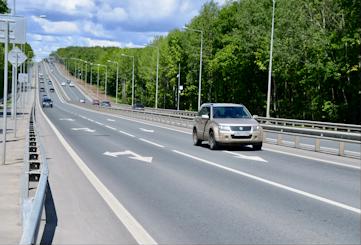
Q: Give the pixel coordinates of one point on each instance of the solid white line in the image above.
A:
(303, 193)
(132, 225)
(150, 142)
(120, 131)
(110, 127)
(99, 123)
(313, 158)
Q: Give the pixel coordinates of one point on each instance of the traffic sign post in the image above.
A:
(12, 29)
(16, 58)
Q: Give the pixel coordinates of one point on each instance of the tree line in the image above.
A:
(316, 60)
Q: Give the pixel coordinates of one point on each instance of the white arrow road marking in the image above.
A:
(254, 158)
(110, 120)
(147, 130)
(67, 119)
(84, 129)
(133, 155)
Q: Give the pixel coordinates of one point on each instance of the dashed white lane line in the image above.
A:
(110, 127)
(99, 123)
(275, 184)
(147, 130)
(152, 143)
(120, 131)
(110, 120)
(242, 156)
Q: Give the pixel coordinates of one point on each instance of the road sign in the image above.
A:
(17, 31)
(16, 56)
(23, 77)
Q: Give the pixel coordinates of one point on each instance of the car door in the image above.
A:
(203, 121)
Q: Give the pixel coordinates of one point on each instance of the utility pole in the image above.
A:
(270, 63)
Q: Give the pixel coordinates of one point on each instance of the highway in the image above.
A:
(180, 193)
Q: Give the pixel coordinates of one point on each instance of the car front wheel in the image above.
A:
(257, 147)
(213, 144)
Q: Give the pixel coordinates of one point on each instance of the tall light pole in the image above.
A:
(106, 77)
(156, 80)
(116, 82)
(131, 56)
(91, 73)
(270, 62)
(178, 92)
(200, 65)
(98, 81)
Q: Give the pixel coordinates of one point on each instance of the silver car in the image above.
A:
(226, 124)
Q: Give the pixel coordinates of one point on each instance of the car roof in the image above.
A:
(222, 104)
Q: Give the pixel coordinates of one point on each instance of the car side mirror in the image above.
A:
(205, 116)
(255, 116)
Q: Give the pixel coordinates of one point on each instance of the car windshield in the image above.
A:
(231, 112)
(46, 100)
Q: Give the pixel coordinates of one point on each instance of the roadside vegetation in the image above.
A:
(316, 60)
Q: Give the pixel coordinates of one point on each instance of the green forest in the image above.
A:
(27, 50)
(316, 72)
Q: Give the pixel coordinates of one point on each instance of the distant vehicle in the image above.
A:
(82, 100)
(68, 81)
(63, 84)
(105, 103)
(42, 89)
(47, 102)
(95, 102)
(138, 106)
(71, 84)
(226, 124)
(51, 90)
(49, 82)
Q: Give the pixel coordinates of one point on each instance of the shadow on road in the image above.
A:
(51, 218)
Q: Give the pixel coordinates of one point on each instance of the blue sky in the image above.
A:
(122, 23)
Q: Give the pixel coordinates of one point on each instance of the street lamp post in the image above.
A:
(200, 65)
(270, 63)
(156, 82)
(116, 82)
(131, 56)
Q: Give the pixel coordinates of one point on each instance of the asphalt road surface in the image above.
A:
(184, 194)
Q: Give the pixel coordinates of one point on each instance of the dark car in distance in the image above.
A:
(105, 103)
(47, 102)
(42, 89)
(138, 106)
(52, 90)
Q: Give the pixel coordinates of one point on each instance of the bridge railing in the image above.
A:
(34, 184)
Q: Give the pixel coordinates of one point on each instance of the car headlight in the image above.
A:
(224, 128)
(256, 128)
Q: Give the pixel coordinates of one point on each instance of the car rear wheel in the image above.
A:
(213, 144)
(257, 147)
(196, 141)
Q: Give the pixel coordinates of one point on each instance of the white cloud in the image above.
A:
(94, 29)
(58, 27)
(102, 43)
(108, 14)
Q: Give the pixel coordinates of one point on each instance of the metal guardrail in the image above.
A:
(35, 181)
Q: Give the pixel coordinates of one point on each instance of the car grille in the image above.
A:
(241, 137)
(244, 128)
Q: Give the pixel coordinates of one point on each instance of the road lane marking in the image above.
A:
(110, 120)
(253, 158)
(132, 154)
(152, 143)
(132, 225)
(312, 158)
(275, 184)
(120, 131)
(67, 119)
(110, 127)
(147, 130)
(84, 129)
(99, 123)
